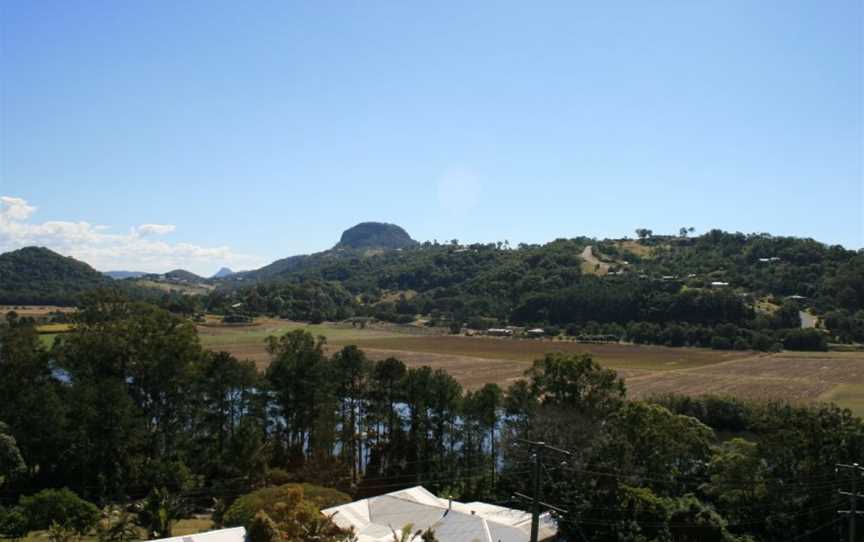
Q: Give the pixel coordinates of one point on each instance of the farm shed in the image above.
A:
(375, 519)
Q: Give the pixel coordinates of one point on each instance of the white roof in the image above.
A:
(235, 534)
(373, 518)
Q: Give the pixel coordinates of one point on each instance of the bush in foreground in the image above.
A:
(271, 499)
(60, 506)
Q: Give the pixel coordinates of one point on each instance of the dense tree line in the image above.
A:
(129, 406)
(312, 300)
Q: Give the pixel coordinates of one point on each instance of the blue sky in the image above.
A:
(148, 135)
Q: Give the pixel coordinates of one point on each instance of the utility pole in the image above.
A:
(537, 491)
(536, 479)
(853, 512)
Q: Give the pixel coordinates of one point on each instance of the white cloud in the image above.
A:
(15, 208)
(155, 229)
(96, 245)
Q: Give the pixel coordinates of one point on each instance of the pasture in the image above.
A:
(184, 288)
(647, 370)
(34, 311)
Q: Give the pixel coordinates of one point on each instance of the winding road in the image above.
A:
(596, 266)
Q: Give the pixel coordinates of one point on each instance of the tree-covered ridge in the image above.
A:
(37, 275)
(128, 405)
(354, 242)
(677, 292)
(180, 275)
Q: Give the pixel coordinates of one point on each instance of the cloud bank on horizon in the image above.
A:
(141, 249)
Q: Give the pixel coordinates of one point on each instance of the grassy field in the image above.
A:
(253, 334)
(53, 329)
(647, 370)
(190, 289)
(34, 310)
(850, 396)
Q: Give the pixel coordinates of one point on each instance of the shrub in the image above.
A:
(60, 506)
(805, 339)
(278, 477)
(552, 331)
(243, 510)
(13, 523)
(720, 343)
(315, 317)
(263, 529)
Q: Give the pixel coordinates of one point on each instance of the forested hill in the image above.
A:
(680, 289)
(36, 275)
(363, 239)
(179, 275)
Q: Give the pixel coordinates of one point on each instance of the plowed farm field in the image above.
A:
(647, 370)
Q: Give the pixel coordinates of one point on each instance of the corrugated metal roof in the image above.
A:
(375, 519)
(235, 534)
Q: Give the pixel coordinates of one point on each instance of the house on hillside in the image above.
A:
(377, 519)
(719, 284)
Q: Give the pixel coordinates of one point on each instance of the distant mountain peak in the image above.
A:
(223, 272)
(375, 235)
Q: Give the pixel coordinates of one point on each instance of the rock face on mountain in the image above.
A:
(375, 235)
(355, 240)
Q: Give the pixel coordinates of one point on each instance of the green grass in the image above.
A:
(47, 339)
(849, 396)
(221, 336)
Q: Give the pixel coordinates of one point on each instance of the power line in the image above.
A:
(816, 530)
(854, 474)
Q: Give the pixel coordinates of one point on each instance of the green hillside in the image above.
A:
(38, 276)
(720, 289)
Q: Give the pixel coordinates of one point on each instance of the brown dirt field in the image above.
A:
(471, 372)
(618, 356)
(793, 376)
(647, 370)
